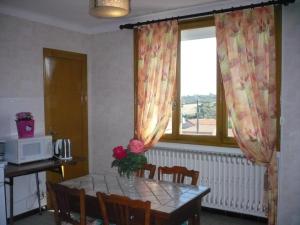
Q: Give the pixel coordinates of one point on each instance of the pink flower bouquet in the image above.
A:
(129, 160)
(136, 146)
(119, 152)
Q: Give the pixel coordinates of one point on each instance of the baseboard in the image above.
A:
(219, 211)
(27, 214)
(234, 214)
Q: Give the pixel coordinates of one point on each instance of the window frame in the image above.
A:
(221, 114)
(221, 139)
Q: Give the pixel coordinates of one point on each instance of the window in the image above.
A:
(199, 111)
(199, 114)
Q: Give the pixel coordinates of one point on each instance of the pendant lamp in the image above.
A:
(109, 8)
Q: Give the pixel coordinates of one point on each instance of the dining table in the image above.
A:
(171, 203)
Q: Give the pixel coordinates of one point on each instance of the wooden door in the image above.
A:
(65, 86)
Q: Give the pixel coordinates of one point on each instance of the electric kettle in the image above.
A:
(62, 149)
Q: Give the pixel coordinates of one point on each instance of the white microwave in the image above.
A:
(25, 150)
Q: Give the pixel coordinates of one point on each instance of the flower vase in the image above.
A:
(25, 128)
(128, 180)
(131, 180)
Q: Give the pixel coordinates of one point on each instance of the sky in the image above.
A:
(198, 66)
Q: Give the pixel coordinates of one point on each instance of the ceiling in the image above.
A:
(73, 14)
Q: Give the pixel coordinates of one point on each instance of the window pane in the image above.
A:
(198, 82)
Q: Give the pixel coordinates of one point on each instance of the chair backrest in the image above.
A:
(179, 173)
(61, 196)
(122, 210)
(147, 167)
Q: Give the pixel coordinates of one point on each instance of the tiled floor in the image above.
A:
(45, 219)
(208, 218)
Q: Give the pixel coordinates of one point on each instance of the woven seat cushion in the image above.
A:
(89, 220)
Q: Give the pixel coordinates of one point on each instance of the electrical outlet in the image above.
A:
(42, 195)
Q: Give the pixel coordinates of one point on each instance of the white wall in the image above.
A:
(111, 95)
(21, 84)
(21, 63)
(289, 169)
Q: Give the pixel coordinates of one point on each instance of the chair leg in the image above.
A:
(194, 220)
(191, 221)
(56, 219)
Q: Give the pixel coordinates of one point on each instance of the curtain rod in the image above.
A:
(278, 2)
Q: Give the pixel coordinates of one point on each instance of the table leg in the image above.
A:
(11, 200)
(62, 173)
(38, 192)
(5, 202)
(197, 216)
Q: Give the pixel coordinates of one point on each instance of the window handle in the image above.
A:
(174, 105)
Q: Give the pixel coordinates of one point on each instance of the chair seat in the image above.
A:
(89, 220)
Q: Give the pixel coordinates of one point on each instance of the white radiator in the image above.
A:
(236, 183)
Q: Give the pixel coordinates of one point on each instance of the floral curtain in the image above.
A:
(246, 53)
(156, 73)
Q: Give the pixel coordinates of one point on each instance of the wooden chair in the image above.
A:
(122, 210)
(179, 173)
(148, 167)
(61, 196)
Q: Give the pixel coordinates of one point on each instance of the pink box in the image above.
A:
(25, 128)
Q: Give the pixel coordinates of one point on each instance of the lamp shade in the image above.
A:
(109, 8)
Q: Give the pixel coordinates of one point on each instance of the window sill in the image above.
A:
(198, 148)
